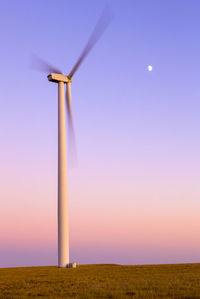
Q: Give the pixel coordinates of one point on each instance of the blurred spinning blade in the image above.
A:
(41, 65)
(71, 134)
(99, 29)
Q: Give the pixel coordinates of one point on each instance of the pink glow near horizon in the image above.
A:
(148, 220)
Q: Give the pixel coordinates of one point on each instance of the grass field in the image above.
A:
(102, 281)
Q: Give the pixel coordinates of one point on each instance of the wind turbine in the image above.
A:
(58, 77)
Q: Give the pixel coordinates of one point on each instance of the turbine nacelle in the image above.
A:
(54, 77)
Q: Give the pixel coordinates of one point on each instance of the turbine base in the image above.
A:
(71, 265)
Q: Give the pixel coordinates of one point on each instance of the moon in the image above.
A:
(150, 68)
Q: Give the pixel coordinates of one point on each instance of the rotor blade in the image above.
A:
(71, 134)
(99, 29)
(39, 64)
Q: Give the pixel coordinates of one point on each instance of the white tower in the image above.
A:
(63, 221)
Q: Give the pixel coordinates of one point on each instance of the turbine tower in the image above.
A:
(63, 229)
(56, 76)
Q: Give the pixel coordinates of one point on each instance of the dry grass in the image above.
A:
(102, 281)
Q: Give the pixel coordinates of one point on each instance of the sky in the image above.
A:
(134, 197)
